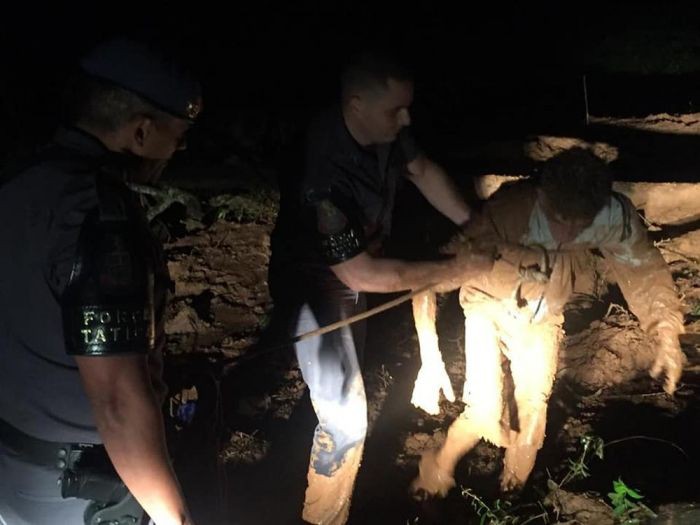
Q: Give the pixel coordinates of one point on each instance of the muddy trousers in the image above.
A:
(510, 368)
(511, 363)
(330, 365)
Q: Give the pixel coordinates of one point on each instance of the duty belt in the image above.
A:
(38, 451)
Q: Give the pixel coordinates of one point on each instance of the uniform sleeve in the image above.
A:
(76, 201)
(330, 213)
(99, 274)
(338, 231)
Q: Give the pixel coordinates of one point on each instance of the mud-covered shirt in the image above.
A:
(513, 216)
(346, 188)
(42, 212)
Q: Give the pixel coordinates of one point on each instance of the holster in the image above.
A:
(89, 475)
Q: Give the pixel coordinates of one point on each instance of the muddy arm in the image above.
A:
(432, 377)
(497, 229)
(647, 285)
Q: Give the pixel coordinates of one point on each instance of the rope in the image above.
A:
(328, 328)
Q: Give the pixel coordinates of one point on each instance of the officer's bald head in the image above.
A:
(369, 73)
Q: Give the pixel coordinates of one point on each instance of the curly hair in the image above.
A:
(576, 183)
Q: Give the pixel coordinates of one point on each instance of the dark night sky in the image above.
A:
(294, 49)
(494, 58)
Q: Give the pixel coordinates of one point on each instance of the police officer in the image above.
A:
(326, 251)
(83, 286)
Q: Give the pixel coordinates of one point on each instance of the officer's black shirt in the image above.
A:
(360, 183)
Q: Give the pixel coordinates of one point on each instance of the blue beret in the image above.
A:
(138, 68)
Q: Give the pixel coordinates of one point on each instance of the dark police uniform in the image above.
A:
(81, 274)
(341, 207)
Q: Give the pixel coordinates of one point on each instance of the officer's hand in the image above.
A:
(670, 359)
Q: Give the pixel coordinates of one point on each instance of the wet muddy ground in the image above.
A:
(242, 456)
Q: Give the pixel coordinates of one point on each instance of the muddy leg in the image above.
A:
(533, 358)
(436, 467)
(483, 393)
(483, 382)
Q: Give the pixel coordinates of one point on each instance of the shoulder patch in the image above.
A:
(330, 219)
(106, 303)
(340, 234)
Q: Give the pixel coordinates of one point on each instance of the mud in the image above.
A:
(686, 124)
(610, 352)
(221, 297)
(244, 457)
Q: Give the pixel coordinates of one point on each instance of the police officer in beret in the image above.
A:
(83, 287)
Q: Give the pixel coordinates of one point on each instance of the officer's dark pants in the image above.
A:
(31, 495)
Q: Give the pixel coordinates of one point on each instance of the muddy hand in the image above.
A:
(669, 360)
(478, 261)
(432, 378)
(465, 266)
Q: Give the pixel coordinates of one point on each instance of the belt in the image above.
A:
(38, 451)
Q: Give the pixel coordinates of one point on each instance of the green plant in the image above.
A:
(578, 468)
(627, 504)
(499, 514)
(695, 310)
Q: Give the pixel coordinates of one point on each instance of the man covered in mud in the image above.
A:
(326, 251)
(83, 288)
(549, 234)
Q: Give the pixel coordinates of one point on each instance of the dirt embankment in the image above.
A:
(221, 302)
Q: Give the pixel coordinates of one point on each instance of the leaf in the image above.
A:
(619, 511)
(619, 487)
(599, 447)
(633, 493)
(616, 499)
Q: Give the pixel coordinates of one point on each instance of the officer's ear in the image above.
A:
(356, 104)
(141, 129)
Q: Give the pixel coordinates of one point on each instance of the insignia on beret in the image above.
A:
(193, 109)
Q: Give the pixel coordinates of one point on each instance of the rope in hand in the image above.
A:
(329, 328)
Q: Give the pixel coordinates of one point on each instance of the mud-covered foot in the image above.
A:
(518, 463)
(432, 481)
(510, 483)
